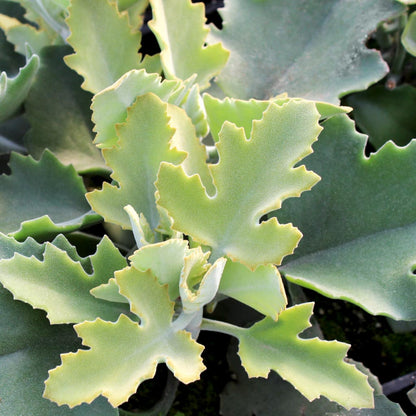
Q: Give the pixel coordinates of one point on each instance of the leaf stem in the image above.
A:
(222, 327)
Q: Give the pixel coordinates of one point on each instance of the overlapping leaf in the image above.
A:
(269, 345)
(153, 132)
(182, 41)
(262, 289)
(359, 223)
(29, 347)
(310, 49)
(385, 114)
(13, 91)
(97, 32)
(60, 285)
(252, 178)
(125, 353)
(59, 115)
(56, 195)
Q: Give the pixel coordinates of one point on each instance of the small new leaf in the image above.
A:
(252, 178)
(125, 353)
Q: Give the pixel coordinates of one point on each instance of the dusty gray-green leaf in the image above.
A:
(359, 223)
(311, 49)
(59, 114)
(385, 114)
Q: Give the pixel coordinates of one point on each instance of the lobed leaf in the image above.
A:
(385, 114)
(182, 41)
(125, 353)
(97, 31)
(13, 91)
(144, 141)
(252, 178)
(269, 345)
(309, 49)
(60, 286)
(56, 193)
(59, 115)
(366, 258)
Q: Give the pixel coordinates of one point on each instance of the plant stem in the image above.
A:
(222, 327)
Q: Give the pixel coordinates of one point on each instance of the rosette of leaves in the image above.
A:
(121, 138)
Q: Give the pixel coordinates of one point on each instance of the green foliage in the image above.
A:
(138, 213)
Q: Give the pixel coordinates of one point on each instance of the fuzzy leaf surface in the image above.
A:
(144, 142)
(261, 289)
(182, 41)
(56, 195)
(104, 43)
(125, 353)
(270, 345)
(60, 286)
(251, 179)
(309, 49)
(110, 105)
(59, 114)
(13, 91)
(368, 257)
(385, 114)
(29, 347)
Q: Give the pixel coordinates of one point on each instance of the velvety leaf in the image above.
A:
(59, 115)
(309, 49)
(29, 347)
(13, 91)
(385, 114)
(242, 113)
(261, 289)
(358, 223)
(98, 31)
(135, 10)
(60, 285)
(110, 105)
(251, 179)
(258, 396)
(56, 195)
(270, 345)
(22, 34)
(144, 141)
(409, 35)
(125, 353)
(182, 41)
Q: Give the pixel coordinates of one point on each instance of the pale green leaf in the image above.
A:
(105, 45)
(409, 35)
(385, 114)
(110, 105)
(13, 91)
(252, 178)
(60, 285)
(59, 114)
(142, 232)
(56, 195)
(29, 347)
(144, 142)
(314, 367)
(21, 34)
(359, 223)
(125, 353)
(309, 49)
(182, 41)
(242, 113)
(261, 289)
(135, 10)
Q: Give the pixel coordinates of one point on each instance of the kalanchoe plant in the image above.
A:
(239, 174)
